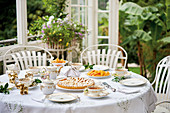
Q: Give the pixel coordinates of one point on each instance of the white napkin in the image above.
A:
(128, 91)
(39, 98)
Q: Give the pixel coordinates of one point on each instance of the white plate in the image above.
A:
(10, 86)
(100, 67)
(69, 89)
(133, 82)
(62, 97)
(101, 95)
(98, 77)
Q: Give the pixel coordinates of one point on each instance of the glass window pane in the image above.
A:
(74, 1)
(103, 24)
(102, 41)
(82, 15)
(74, 13)
(103, 4)
(8, 24)
(82, 2)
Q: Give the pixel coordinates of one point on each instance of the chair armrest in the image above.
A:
(166, 101)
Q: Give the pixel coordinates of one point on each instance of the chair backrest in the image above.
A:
(26, 56)
(162, 80)
(104, 54)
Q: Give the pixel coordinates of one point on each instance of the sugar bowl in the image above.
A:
(47, 87)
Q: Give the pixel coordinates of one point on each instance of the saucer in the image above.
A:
(101, 95)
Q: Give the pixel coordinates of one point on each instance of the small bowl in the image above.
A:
(26, 81)
(121, 72)
(34, 70)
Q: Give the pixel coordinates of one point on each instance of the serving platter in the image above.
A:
(57, 87)
(62, 97)
(99, 77)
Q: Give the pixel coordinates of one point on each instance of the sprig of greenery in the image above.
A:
(4, 89)
(37, 81)
(117, 79)
(88, 66)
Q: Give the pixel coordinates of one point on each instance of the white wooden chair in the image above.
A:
(26, 56)
(162, 85)
(108, 55)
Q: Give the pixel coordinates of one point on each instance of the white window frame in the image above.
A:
(92, 20)
(21, 6)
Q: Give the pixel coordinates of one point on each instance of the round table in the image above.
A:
(116, 102)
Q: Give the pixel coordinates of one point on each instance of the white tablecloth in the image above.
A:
(115, 102)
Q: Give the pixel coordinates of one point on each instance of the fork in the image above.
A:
(108, 86)
(118, 90)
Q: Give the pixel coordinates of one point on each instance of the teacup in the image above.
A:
(26, 81)
(34, 70)
(121, 72)
(77, 66)
(95, 90)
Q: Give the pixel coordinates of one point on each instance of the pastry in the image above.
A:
(75, 83)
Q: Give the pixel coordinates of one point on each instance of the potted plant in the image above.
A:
(58, 32)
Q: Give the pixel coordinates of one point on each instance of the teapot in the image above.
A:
(47, 87)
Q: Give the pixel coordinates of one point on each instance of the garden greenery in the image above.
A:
(146, 31)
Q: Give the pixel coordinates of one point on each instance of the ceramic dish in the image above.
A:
(68, 89)
(100, 67)
(62, 97)
(99, 77)
(60, 64)
(133, 82)
(101, 95)
(10, 86)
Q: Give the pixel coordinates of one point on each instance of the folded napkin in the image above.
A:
(39, 98)
(72, 72)
(128, 91)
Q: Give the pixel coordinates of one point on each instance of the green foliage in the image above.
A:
(147, 25)
(4, 89)
(56, 7)
(134, 69)
(88, 66)
(165, 40)
(117, 78)
(8, 26)
(131, 8)
(8, 23)
(168, 13)
(37, 81)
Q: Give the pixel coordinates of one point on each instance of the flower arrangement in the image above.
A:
(62, 32)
